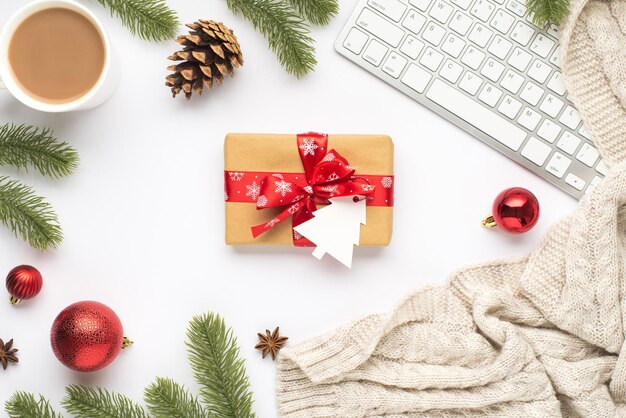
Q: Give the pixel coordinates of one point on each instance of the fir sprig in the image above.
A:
(285, 30)
(22, 146)
(24, 405)
(150, 19)
(86, 402)
(547, 11)
(28, 216)
(221, 373)
(166, 399)
(318, 12)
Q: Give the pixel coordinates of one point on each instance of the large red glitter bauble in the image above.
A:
(87, 336)
(516, 210)
(24, 282)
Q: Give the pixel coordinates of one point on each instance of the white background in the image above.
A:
(143, 216)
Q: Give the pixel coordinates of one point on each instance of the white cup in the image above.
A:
(99, 93)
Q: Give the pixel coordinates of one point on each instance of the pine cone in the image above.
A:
(211, 51)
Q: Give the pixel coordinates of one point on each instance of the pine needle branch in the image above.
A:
(24, 405)
(86, 402)
(28, 216)
(547, 11)
(221, 374)
(22, 146)
(318, 12)
(285, 31)
(150, 19)
(166, 399)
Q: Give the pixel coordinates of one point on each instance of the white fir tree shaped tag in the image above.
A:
(336, 228)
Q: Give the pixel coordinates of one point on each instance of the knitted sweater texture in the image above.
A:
(542, 336)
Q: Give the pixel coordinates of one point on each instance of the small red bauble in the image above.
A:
(515, 210)
(87, 336)
(23, 282)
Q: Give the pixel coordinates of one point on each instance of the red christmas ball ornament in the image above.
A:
(23, 282)
(515, 210)
(87, 336)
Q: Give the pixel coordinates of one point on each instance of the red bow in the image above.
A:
(327, 174)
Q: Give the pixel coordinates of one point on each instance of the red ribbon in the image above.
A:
(327, 175)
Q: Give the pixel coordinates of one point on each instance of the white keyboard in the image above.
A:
(484, 66)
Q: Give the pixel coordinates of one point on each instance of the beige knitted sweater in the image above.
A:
(540, 337)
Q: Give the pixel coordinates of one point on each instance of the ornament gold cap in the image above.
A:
(126, 343)
(14, 301)
(489, 222)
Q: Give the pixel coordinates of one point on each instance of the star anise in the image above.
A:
(7, 353)
(271, 343)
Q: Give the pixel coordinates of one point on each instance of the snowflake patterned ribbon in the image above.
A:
(327, 174)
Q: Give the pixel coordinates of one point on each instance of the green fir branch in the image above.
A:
(318, 12)
(24, 405)
(547, 11)
(86, 402)
(217, 367)
(150, 19)
(286, 32)
(22, 146)
(166, 399)
(28, 216)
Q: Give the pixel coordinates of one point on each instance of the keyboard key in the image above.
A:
(420, 4)
(394, 64)
(412, 47)
(460, 23)
(500, 47)
(417, 78)
(587, 155)
(556, 83)
(602, 168)
(380, 27)
(536, 151)
(492, 69)
(453, 45)
(558, 165)
(539, 71)
(476, 115)
(480, 35)
(596, 180)
(555, 58)
(502, 21)
(490, 95)
(570, 118)
(542, 45)
(463, 4)
(516, 7)
(441, 11)
(433, 33)
(551, 106)
(531, 93)
(393, 9)
(509, 107)
(482, 9)
(529, 119)
(512, 81)
(548, 130)
(451, 71)
(553, 30)
(584, 131)
(568, 143)
(520, 59)
(355, 41)
(375, 53)
(522, 33)
(431, 59)
(470, 83)
(472, 57)
(575, 181)
(414, 21)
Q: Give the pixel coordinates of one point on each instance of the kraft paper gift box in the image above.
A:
(251, 158)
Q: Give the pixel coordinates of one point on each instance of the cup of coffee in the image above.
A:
(55, 56)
